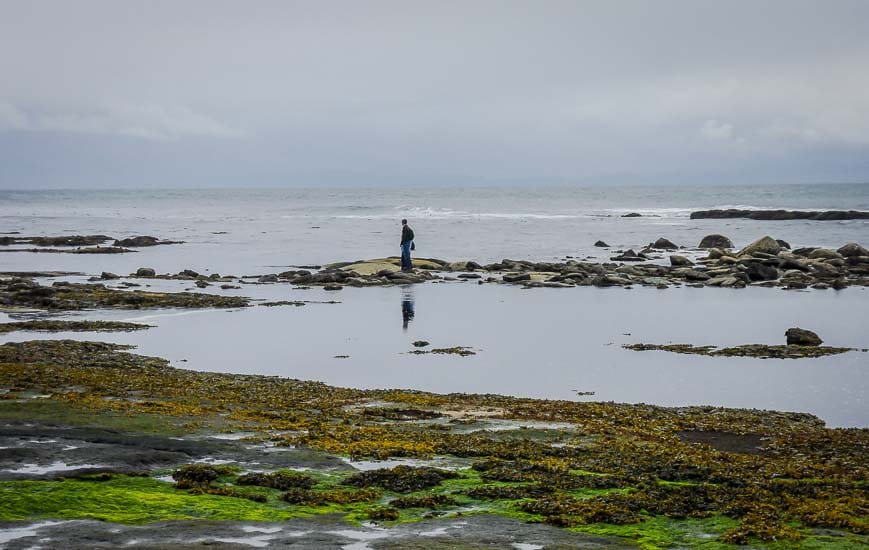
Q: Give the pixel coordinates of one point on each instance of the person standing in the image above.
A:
(406, 246)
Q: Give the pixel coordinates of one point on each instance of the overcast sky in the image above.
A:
(185, 93)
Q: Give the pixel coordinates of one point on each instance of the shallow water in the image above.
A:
(545, 343)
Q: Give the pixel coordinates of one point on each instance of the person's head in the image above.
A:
(403, 222)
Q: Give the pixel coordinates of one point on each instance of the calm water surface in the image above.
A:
(546, 343)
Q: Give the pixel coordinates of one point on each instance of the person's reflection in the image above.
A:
(406, 305)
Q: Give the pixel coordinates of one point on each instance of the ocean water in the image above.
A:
(546, 343)
(249, 231)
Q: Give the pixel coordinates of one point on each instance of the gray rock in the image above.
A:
(270, 278)
(145, 272)
(783, 244)
(764, 245)
(332, 287)
(664, 244)
(516, 277)
(715, 241)
(853, 249)
(680, 261)
(632, 215)
(758, 271)
(801, 337)
(824, 254)
(601, 244)
(106, 276)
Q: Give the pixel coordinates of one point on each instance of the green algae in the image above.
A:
(131, 500)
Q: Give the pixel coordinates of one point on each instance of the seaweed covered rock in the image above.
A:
(401, 479)
(801, 337)
(426, 501)
(383, 514)
(198, 475)
(142, 240)
(281, 479)
(305, 497)
(715, 241)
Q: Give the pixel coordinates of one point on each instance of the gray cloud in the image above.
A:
(383, 91)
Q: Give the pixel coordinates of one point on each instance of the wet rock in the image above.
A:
(332, 287)
(764, 245)
(783, 244)
(759, 271)
(516, 277)
(629, 256)
(420, 344)
(189, 273)
(680, 261)
(141, 241)
(145, 272)
(106, 276)
(601, 244)
(664, 244)
(824, 254)
(632, 215)
(801, 337)
(270, 278)
(72, 240)
(852, 249)
(715, 241)
(202, 284)
(610, 280)
(839, 284)
(229, 287)
(469, 276)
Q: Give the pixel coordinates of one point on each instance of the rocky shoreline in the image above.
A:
(90, 431)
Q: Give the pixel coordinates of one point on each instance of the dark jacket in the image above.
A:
(406, 234)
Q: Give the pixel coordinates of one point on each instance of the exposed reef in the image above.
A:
(648, 475)
(765, 262)
(65, 296)
(760, 351)
(825, 215)
(71, 326)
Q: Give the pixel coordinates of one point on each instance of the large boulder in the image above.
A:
(715, 241)
(764, 245)
(664, 244)
(853, 249)
(145, 272)
(802, 337)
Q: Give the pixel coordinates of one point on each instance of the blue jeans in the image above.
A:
(405, 255)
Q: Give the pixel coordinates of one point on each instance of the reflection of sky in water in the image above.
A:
(546, 343)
